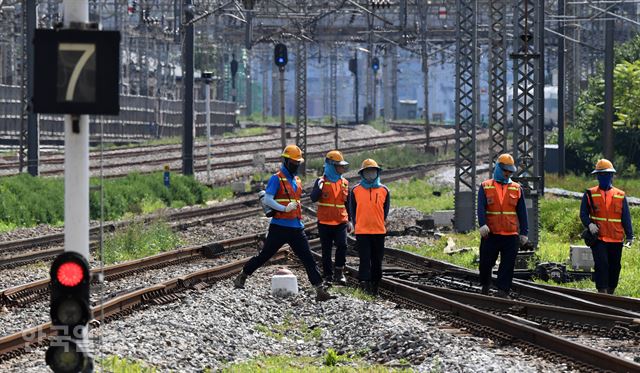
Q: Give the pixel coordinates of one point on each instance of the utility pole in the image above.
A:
(561, 87)
(33, 136)
(187, 130)
(207, 77)
(607, 131)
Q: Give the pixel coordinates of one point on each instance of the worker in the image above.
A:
(369, 203)
(331, 192)
(502, 217)
(283, 194)
(609, 219)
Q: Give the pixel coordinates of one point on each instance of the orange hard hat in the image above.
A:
(335, 157)
(506, 162)
(293, 152)
(369, 163)
(604, 165)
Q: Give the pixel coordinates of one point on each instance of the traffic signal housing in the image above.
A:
(70, 312)
(280, 55)
(375, 64)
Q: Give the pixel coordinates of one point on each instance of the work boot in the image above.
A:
(603, 291)
(485, 289)
(375, 286)
(239, 281)
(502, 294)
(611, 290)
(338, 276)
(322, 294)
(365, 286)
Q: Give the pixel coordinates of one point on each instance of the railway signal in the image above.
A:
(280, 55)
(375, 64)
(70, 313)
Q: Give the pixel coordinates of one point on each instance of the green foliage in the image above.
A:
(331, 358)
(27, 201)
(116, 364)
(583, 138)
(139, 241)
(291, 327)
(306, 364)
(353, 292)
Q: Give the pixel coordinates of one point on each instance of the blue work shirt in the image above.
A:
(272, 188)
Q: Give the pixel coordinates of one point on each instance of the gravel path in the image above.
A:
(221, 325)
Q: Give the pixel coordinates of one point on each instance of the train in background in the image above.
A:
(550, 107)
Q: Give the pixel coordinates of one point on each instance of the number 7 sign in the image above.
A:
(76, 72)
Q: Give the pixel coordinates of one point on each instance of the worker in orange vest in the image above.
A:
(369, 203)
(331, 191)
(607, 217)
(502, 217)
(283, 194)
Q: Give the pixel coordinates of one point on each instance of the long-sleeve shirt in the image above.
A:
(353, 204)
(626, 215)
(521, 210)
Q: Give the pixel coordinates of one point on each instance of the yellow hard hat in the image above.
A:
(293, 152)
(506, 162)
(604, 165)
(336, 158)
(369, 163)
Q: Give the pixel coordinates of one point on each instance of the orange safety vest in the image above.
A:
(285, 195)
(502, 217)
(331, 205)
(607, 214)
(370, 210)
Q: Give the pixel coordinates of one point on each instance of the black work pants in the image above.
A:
(333, 235)
(606, 258)
(490, 247)
(297, 240)
(371, 250)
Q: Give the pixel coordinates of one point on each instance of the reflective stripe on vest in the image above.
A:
(607, 213)
(502, 201)
(331, 205)
(286, 194)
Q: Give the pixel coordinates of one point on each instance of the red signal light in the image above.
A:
(70, 274)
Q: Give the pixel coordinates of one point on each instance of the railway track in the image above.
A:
(536, 328)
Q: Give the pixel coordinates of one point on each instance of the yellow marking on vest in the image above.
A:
(618, 196)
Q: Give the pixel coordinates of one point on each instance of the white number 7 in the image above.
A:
(88, 50)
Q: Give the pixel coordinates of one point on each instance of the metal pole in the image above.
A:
(33, 138)
(561, 87)
(283, 135)
(207, 109)
(187, 130)
(607, 132)
(356, 87)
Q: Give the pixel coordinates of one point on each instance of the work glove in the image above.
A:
(593, 229)
(628, 242)
(291, 206)
(320, 183)
(349, 227)
(484, 231)
(523, 240)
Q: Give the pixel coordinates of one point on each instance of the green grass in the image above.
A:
(296, 364)
(139, 241)
(391, 157)
(244, 132)
(116, 364)
(27, 201)
(580, 183)
(418, 193)
(353, 292)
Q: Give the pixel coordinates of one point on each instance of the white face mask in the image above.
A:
(370, 174)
